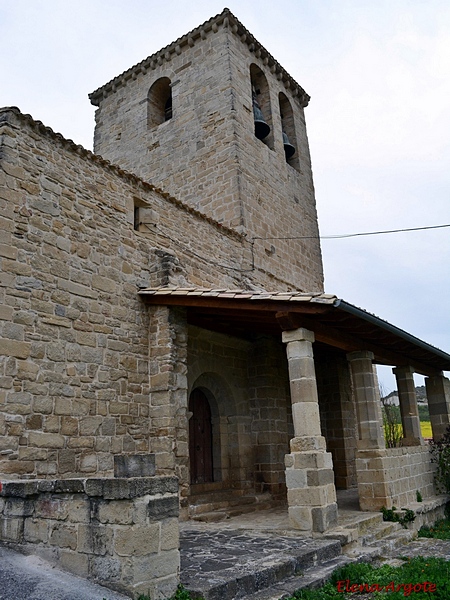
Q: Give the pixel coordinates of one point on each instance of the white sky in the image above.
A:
(378, 72)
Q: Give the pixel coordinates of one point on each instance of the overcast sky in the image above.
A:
(378, 73)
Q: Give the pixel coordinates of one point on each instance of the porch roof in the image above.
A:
(335, 323)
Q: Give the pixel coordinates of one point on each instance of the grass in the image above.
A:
(396, 582)
(440, 530)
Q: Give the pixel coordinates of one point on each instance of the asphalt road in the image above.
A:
(31, 578)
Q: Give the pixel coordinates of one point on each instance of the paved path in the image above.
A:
(31, 578)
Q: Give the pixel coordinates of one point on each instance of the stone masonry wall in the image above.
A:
(248, 390)
(338, 415)
(217, 364)
(393, 476)
(270, 408)
(121, 533)
(74, 364)
(208, 155)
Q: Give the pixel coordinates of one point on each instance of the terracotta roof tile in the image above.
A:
(240, 294)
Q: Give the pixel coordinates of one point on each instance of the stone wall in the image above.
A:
(121, 533)
(247, 386)
(270, 408)
(76, 364)
(217, 364)
(338, 415)
(392, 477)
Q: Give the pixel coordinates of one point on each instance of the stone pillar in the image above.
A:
(309, 467)
(412, 436)
(169, 429)
(438, 395)
(368, 406)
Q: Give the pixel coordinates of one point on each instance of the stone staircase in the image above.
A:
(244, 564)
(368, 537)
(250, 566)
(212, 503)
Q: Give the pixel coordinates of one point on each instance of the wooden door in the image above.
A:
(200, 438)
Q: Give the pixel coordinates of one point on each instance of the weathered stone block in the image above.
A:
(137, 540)
(163, 508)
(115, 511)
(300, 518)
(74, 562)
(324, 518)
(35, 530)
(11, 529)
(95, 539)
(64, 536)
(105, 568)
(138, 465)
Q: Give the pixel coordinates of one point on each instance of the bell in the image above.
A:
(262, 130)
(289, 149)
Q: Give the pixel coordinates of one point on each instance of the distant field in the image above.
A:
(425, 426)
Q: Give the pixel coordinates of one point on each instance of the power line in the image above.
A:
(349, 235)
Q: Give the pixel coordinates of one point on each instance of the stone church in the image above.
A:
(166, 339)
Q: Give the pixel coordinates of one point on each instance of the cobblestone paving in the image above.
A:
(212, 559)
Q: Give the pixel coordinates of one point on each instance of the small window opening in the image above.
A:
(159, 101)
(137, 218)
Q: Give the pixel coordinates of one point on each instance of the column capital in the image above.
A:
(437, 377)
(298, 335)
(403, 370)
(360, 355)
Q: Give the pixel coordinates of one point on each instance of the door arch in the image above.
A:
(200, 438)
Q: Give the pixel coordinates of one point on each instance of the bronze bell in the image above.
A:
(262, 130)
(289, 149)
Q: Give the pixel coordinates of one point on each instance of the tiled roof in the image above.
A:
(334, 321)
(240, 294)
(226, 19)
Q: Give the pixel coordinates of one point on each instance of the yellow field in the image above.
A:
(425, 427)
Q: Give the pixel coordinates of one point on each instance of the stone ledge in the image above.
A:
(107, 488)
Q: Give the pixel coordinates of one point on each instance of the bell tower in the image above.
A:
(214, 120)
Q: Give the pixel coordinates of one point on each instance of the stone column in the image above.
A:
(368, 407)
(438, 395)
(309, 467)
(169, 429)
(412, 436)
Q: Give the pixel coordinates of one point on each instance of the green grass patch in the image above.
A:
(440, 530)
(416, 578)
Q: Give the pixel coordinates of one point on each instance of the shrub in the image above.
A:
(404, 517)
(440, 454)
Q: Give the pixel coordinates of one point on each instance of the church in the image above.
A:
(166, 337)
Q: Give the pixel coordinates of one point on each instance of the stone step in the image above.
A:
(249, 566)
(378, 533)
(310, 579)
(227, 504)
(212, 513)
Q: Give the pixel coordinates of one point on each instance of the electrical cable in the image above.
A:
(349, 235)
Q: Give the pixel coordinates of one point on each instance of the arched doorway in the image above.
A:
(200, 438)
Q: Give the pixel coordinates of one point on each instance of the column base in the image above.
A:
(311, 491)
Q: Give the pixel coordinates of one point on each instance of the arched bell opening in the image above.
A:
(159, 102)
(290, 144)
(262, 112)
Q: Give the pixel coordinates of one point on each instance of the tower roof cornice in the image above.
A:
(224, 19)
